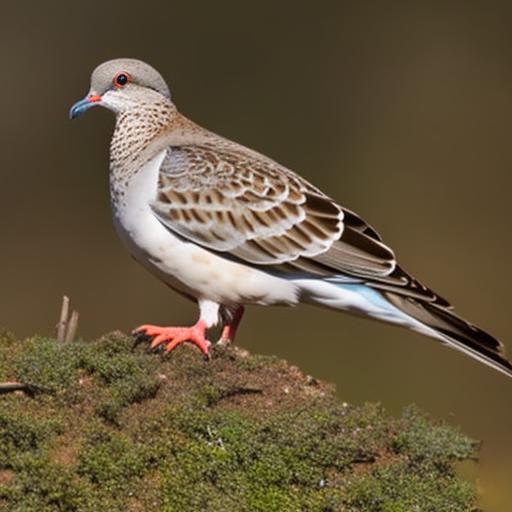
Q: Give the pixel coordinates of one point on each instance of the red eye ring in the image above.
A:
(121, 79)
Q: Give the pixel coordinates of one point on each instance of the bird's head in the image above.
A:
(121, 84)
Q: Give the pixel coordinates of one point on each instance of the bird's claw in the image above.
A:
(139, 337)
(170, 337)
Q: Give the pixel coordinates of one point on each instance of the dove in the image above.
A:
(228, 227)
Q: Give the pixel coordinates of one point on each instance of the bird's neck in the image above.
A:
(136, 130)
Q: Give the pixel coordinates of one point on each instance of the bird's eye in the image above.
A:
(121, 79)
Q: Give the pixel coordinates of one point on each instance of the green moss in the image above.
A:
(42, 486)
(112, 461)
(21, 434)
(130, 377)
(399, 489)
(253, 362)
(424, 442)
(119, 429)
(48, 365)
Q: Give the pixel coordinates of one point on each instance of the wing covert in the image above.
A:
(233, 200)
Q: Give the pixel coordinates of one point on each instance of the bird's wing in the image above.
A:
(240, 203)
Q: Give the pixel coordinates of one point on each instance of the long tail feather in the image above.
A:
(422, 312)
(442, 323)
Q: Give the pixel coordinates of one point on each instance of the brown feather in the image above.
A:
(234, 200)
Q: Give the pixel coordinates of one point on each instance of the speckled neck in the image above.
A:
(134, 132)
(133, 144)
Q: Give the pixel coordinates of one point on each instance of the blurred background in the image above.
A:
(400, 110)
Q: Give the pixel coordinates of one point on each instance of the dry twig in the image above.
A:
(9, 387)
(67, 327)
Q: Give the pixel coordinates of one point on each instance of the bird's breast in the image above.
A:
(131, 198)
(181, 264)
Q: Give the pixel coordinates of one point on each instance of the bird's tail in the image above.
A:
(442, 323)
(433, 318)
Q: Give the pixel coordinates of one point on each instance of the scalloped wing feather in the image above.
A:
(230, 199)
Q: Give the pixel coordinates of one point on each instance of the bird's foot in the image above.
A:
(229, 330)
(171, 337)
(227, 335)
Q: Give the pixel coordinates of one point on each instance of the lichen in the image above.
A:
(118, 428)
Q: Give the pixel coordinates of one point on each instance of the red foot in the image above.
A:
(171, 337)
(229, 329)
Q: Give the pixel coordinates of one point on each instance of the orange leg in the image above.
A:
(230, 328)
(171, 337)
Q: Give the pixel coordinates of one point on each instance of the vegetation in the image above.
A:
(112, 427)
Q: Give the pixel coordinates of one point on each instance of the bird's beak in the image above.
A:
(81, 106)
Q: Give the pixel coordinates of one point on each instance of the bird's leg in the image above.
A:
(230, 327)
(171, 337)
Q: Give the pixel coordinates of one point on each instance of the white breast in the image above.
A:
(184, 265)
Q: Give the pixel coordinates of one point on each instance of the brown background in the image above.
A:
(402, 112)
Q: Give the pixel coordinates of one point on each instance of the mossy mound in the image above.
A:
(119, 429)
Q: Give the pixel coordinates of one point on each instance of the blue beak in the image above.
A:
(81, 106)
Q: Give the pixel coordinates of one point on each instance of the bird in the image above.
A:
(228, 227)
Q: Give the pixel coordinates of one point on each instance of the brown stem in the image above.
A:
(72, 326)
(9, 387)
(63, 321)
